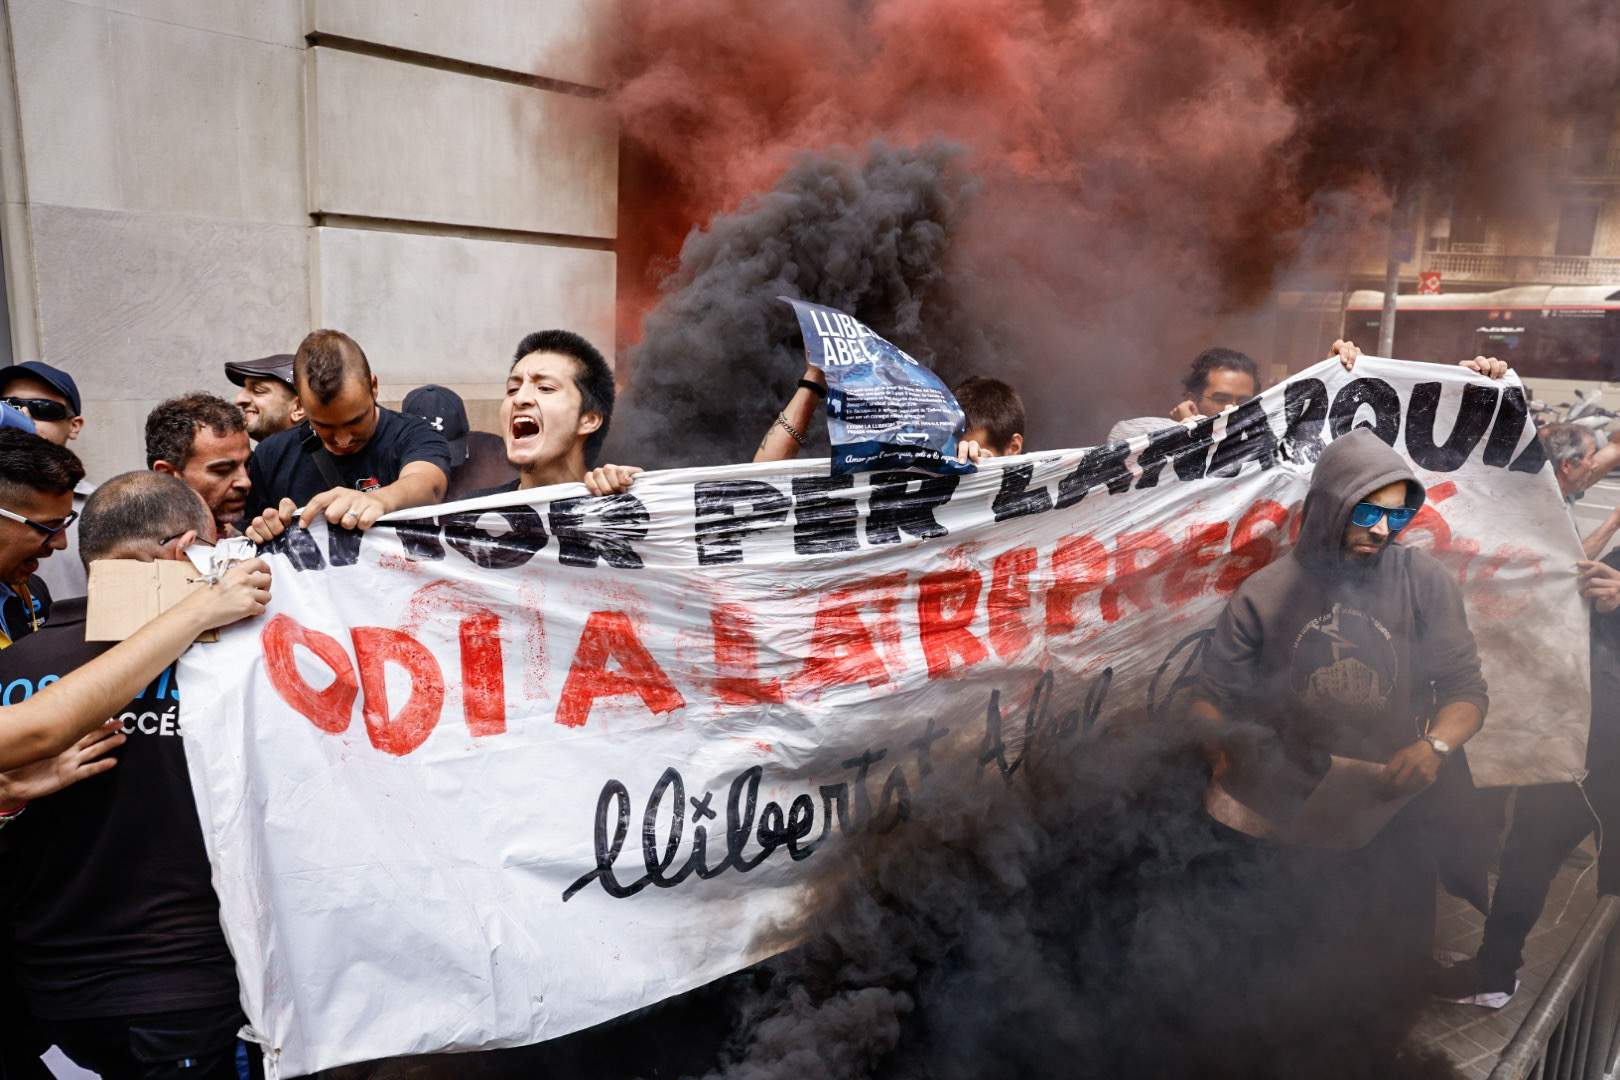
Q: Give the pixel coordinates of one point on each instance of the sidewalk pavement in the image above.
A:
(1473, 1037)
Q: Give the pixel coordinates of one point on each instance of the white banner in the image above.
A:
(504, 770)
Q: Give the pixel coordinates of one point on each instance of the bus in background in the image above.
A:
(1559, 338)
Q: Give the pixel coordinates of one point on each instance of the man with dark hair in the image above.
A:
(477, 458)
(37, 480)
(268, 399)
(1218, 379)
(37, 483)
(107, 904)
(554, 419)
(50, 398)
(351, 460)
(995, 415)
(202, 439)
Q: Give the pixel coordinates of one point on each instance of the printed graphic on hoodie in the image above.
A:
(1345, 660)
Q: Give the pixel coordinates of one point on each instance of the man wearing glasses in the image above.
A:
(37, 480)
(1353, 646)
(50, 398)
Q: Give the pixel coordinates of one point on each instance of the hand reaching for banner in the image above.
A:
(272, 523)
(1488, 366)
(1346, 353)
(611, 479)
(242, 592)
(1600, 583)
(344, 507)
(968, 450)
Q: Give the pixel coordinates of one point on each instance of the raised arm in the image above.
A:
(791, 427)
(59, 715)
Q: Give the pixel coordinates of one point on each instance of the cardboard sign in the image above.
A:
(126, 594)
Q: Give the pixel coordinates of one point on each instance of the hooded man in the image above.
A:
(1356, 646)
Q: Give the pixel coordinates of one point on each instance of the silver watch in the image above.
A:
(1440, 745)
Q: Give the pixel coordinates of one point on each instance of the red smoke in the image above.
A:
(1141, 161)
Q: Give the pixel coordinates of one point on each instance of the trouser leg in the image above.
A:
(1548, 821)
(196, 1044)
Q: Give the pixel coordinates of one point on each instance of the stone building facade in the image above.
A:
(188, 182)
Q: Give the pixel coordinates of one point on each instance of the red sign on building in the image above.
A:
(1429, 282)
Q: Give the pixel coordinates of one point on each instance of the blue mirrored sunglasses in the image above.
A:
(1366, 515)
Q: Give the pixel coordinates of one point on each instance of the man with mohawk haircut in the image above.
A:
(351, 461)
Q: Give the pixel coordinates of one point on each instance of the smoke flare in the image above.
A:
(1148, 170)
(1083, 920)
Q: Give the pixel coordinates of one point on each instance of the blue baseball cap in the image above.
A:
(16, 418)
(56, 377)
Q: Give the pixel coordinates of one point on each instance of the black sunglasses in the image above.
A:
(39, 408)
(47, 531)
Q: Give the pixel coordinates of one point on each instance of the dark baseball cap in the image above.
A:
(61, 380)
(278, 367)
(445, 413)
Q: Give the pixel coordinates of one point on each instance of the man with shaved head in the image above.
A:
(351, 460)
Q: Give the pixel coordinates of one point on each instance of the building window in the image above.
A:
(1577, 225)
(1470, 218)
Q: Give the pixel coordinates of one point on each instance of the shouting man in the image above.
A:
(559, 401)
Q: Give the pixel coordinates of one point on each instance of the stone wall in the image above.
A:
(188, 182)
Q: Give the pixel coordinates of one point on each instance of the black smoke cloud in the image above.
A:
(1083, 920)
(1146, 173)
(868, 234)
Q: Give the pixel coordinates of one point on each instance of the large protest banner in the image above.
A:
(499, 771)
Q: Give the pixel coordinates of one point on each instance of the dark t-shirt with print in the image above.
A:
(105, 898)
(285, 466)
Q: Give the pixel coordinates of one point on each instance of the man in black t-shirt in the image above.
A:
(350, 461)
(105, 899)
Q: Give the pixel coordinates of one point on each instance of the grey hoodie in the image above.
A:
(1347, 657)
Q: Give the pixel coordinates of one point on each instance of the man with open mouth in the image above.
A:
(559, 400)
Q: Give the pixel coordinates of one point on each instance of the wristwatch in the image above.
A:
(1440, 745)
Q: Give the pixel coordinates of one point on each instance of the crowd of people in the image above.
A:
(110, 943)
